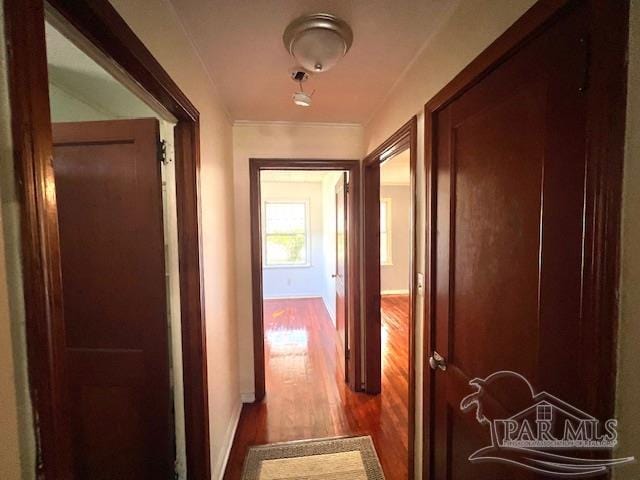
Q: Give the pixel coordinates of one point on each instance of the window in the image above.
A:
(385, 231)
(286, 240)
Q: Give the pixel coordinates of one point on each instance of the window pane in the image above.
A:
(383, 216)
(285, 218)
(384, 248)
(284, 249)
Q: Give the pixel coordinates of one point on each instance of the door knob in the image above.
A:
(437, 361)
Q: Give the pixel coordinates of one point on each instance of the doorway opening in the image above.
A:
(304, 229)
(113, 163)
(109, 336)
(304, 215)
(390, 273)
(305, 284)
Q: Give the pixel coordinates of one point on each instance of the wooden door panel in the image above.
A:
(509, 189)
(108, 187)
(496, 223)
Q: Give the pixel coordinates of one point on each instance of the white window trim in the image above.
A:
(307, 235)
(389, 261)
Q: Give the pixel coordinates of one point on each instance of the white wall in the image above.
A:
(69, 106)
(302, 281)
(394, 278)
(65, 107)
(467, 31)
(273, 140)
(329, 241)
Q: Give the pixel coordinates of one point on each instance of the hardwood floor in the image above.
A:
(306, 394)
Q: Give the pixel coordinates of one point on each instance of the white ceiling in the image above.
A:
(240, 42)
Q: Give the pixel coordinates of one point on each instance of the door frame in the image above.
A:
(99, 22)
(405, 137)
(606, 108)
(256, 165)
(345, 186)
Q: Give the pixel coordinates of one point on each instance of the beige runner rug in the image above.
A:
(352, 458)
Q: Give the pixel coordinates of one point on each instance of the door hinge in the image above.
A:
(162, 152)
(346, 187)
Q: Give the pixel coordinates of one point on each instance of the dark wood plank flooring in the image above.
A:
(306, 394)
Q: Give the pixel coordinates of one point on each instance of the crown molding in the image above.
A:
(280, 123)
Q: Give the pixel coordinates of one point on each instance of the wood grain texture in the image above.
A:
(109, 191)
(579, 179)
(31, 131)
(307, 397)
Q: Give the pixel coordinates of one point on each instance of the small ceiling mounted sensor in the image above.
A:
(301, 98)
(318, 41)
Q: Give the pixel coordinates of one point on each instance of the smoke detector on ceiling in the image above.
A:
(301, 98)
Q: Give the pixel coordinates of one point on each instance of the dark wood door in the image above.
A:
(510, 222)
(341, 264)
(109, 193)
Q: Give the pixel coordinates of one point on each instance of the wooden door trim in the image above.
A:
(405, 137)
(605, 129)
(31, 129)
(353, 285)
(345, 286)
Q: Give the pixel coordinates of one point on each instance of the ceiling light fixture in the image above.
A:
(318, 41)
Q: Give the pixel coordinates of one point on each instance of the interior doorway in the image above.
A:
(67, 418)
(390, 273)
(304, 267)
(113, 165)
(304, 230)
(298, 343)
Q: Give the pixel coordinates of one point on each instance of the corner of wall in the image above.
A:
(217, 471)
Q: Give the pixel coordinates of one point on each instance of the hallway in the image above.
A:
(306, 393)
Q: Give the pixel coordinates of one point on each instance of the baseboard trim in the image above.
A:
(332, 315)
(248, 397)
(230, 436)
(394, 292)
(292, 297)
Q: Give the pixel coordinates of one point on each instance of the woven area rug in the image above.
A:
(352, 458)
